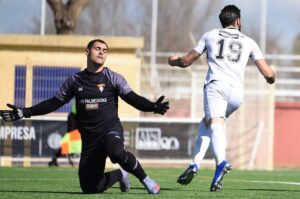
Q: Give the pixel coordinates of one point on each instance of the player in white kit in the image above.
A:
(227, 51)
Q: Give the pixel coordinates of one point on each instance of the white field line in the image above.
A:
(30, 179)
(55, 179)
(275, 182)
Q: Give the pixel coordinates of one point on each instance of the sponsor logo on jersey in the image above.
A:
(101, 87)
(80, 89)
(91, 106)
(93, 101)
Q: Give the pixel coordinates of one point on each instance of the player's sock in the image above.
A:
(202, 143)
(124, 182)
(132, 165)
(218, 142)
(151, 186)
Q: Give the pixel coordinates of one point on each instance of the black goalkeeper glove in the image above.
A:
(161, 107)
(15, 113)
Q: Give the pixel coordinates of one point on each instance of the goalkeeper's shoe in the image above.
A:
(151, 186)
(222, 169)
(187, 176)
(124, 182)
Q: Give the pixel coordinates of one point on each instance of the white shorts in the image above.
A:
(221, 99)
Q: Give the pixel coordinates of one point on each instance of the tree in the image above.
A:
(178, 21)
(133, 18)
(112, 17)
(66, 14)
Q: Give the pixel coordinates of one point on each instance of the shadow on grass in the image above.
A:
(76, 193)
(142, 188)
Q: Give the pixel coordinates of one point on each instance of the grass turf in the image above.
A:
(56, 183)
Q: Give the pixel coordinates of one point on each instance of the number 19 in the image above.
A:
(235, 50)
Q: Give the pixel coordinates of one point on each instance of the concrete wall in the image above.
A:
(54, 50)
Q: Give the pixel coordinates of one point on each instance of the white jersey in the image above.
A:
(228, 51)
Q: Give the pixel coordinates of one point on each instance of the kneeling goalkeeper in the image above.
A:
(96, 90)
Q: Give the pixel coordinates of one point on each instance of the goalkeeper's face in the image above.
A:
(97, 54)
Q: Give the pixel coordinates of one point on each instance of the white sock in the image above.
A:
(124, 173)
(218, 142)
(201, 144)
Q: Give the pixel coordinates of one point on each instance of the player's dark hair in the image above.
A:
(91, 43)
(229, 14)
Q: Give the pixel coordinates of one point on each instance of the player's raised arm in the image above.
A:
(185, 61)
(265, 70)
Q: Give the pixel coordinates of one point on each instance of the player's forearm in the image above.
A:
(180, 62)
(265, 70)
(185, 61)
(139, 102)
(45, 107)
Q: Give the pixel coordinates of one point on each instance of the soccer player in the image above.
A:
(227, 51)
(96, 90)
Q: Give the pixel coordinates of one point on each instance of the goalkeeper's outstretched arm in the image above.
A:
(41, 108)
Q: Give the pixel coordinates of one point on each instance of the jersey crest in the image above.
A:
(101, 87)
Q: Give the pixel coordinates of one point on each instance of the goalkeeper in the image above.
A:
(96, 90)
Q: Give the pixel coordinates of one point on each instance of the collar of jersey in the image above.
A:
(91, 73)
(231, 27)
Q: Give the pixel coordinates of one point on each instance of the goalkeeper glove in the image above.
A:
(161, 107)
(15, 113)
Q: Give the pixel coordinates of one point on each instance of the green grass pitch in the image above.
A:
(56, 183)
